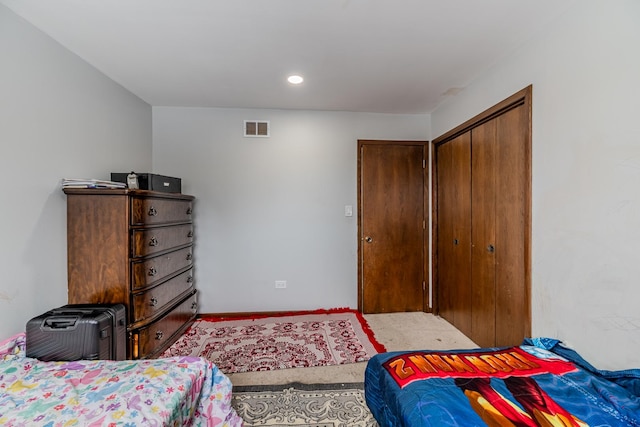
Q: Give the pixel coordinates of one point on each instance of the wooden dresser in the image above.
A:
(134, 247)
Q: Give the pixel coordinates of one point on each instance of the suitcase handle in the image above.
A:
(75, 312)
(60, 322)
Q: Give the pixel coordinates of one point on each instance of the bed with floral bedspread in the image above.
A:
(177, 391)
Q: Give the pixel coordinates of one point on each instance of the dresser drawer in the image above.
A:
(154, 338)
(155, 300)
(155, 240)
(159, 211)
(152, 270)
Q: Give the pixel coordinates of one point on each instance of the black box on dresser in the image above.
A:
(151, 181)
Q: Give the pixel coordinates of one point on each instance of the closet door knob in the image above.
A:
(368, 239)
(491, 249)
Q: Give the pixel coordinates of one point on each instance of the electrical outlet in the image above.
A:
(281, 284)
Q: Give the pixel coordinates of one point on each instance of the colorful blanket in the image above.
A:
(177, 391)
(538, 384)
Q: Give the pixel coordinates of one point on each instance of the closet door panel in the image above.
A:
(445, 236)
(512, 311)
(483, 226)
(461, 217)
(454, 235)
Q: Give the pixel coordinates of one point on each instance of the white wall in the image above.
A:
(586, 174)
(59, 117)
(272, 208)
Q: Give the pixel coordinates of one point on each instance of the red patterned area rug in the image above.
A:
(319, 338)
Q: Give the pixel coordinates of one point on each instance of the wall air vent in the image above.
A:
(256, 128)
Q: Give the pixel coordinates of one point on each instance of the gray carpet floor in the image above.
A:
(396, 331)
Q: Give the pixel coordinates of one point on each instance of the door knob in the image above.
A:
(491, 248)
(368, 239)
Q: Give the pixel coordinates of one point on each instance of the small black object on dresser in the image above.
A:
(151, 181)
(78, 332)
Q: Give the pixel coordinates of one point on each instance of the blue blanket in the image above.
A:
(538, 384)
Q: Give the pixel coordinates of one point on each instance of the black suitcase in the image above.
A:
(78, 331)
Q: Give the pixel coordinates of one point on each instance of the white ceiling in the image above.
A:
(390, 56)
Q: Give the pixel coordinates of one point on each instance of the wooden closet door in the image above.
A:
(512, 310)
(484, 170)
(454, 231)
(494, 308)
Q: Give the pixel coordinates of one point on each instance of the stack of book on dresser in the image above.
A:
(91, 183)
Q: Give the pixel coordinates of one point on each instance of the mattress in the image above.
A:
(539, 383)
(177, 391)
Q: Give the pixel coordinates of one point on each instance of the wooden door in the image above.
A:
(512, 188)
(391, 226)
(453, 240)
(483, 224)
(499, 187)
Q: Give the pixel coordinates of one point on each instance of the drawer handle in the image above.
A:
(136, 345)
(189, 211)
(153, 271)
(153, 211)
(194, 306)
(190, 279)
(159, 335)
(189, 256)
(153, 241)
(153, 301)
(190, 234)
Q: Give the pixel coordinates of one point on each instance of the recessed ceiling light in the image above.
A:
(295, 79)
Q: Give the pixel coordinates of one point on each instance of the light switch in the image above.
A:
(348, 210)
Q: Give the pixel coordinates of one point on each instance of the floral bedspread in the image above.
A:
(177, 391)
